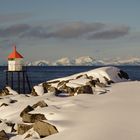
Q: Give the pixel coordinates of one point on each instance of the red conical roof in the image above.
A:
(14, 54)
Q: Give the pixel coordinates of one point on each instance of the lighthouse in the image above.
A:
(16, 74)
(15, 61)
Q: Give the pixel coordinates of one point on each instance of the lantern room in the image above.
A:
(15, 61)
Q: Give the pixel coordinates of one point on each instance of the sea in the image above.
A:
(39, 74)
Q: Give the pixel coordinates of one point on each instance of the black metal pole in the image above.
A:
(18, 82)
(23, 76)
(28, 82)
(6, 78)
(12, 80)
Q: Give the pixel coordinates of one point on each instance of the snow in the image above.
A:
(63, 62)
(86, 61)
(111, 116)
(39, 90)
(109, 72)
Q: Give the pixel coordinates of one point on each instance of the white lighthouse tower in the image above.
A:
(15, 61)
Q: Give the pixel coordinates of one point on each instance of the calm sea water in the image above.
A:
(40, 74)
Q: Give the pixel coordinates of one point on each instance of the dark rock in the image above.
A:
(53, 82)
(44, 129)
(46, 86)
(54, 90)
(40, 103)
(10, 124)
(84, 76)
(13, 101)
(33, 92)
(4, 104)
(91, 83)
(61, 84)
(31, 118)
(26, 110)
(22, 128)
(3, 135)
(4, 92)
(66, 89)
(123, 74)
(108, 81)
(85, 89)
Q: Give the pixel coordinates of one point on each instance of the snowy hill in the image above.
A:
(111, 115)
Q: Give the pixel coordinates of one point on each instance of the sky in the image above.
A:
(52, 29)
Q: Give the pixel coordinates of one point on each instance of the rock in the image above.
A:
(40, 103)
(53, 82)
(84, 76)
(62, 83)
(10, 124)
(26, 110)
(3, 135)
(85, 89)
(22, 128)
(54, 90)
(123, 74)
(91, 83)
(31, 118)
(13, 101)
(44, 129)
(33, 92)
(3, 104)
(66, 89)
(108, 81)
(4, 92)
(46, 86)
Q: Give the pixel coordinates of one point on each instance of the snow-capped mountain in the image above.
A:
(38, 63)
(63, 62)
(85, 61)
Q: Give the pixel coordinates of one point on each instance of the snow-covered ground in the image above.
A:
(110, 116)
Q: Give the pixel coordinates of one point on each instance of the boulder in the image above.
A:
(82, 76)
(31, 118)
(54, 90)
(3, 135)
(4, 92)
(10, 124)
(26, 110)
(40, 104)
(22, 128)
(44, 129)
(46, 86)
(62, 83)
(108, 81)
(123, 74)
(66, 89)
(33, 92)
(85, 90)
(3, 104)
(91, 83)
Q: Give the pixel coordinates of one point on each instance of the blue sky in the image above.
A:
(51, 29)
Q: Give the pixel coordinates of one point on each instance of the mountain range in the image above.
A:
(85, 61)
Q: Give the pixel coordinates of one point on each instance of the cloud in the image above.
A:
(12, 17)
(72, 30)
(110, 33)
(75, 30)
(14, 30)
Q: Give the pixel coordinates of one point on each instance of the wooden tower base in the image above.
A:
(20, 78)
